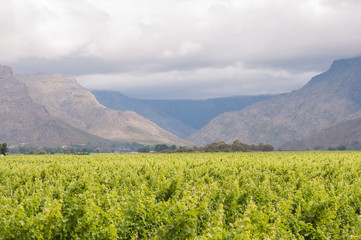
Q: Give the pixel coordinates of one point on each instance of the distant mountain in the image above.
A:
(180, 117)
(65, 99)
(25, 122)
(327, 99)
(346, 132)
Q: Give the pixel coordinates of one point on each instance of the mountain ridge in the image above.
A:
(326, 99)
(52, 109)
(25, 122)
(65, 99)
(344, 132)
(181, 117)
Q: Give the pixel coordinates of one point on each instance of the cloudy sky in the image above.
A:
(170, 49)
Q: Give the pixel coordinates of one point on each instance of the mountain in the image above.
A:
(346, 132)
(65, 99)
(327, 99)
(25, 122)
(180, 117)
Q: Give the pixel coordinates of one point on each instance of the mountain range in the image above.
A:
(180, 117)
(23, 121)
(53, 110)
(314, 115)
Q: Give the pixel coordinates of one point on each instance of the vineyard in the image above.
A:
(276, 195)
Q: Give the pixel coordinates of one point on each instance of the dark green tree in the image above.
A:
(144, 149)
(160, 147)
(342, 147)
(4, 149)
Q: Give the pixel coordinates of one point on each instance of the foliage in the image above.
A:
(109, 147)
(160, 147)
(341, 147)
(4, 149)
(236, 146)
(144, 149)
(164, 148)
(277, 195)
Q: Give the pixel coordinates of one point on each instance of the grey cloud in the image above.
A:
(72, 66)
(199, 83)
(147, 40)
(78, 66)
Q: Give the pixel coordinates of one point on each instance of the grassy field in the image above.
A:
(277, 195)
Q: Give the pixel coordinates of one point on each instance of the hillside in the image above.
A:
(65, 99)
(180, 117)
(327, 99)
(24, 122)
(346, 132)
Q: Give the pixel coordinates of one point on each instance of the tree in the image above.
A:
(342, 147)
(160, 147)
(42, 152)
(145, 149)
(4, 149)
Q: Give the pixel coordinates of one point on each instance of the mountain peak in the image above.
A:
(345, 63)
(328, 98)
(343, 73)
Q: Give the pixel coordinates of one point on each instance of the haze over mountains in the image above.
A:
(328, 99)
(65, 99)
(52, 110)
(180, 117)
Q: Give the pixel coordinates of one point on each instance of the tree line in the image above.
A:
(106, 147)
(236, 146)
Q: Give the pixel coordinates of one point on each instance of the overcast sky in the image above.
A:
(170, 49)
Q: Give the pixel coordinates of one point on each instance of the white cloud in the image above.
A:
(188, 48)
(138, 37)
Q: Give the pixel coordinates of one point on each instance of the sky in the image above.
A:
(180, 49)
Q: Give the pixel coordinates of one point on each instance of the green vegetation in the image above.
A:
(236, 146)
(109, 147)
(144, 149)
(341, 147)
(275, 195)
(164, 147)
(3, 149)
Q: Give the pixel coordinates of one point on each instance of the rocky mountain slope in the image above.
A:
(346, 132)
(180, 117)
(65, 99)
(23, 121)
(327, 99)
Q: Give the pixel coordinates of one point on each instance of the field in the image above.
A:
(277, 195)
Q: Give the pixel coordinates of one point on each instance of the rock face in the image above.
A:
(25, 122)
(65, 99)
(328, 98)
